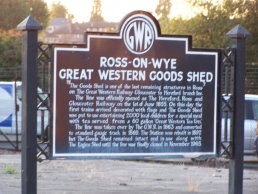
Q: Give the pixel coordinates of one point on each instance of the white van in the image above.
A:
(10, 102)
(250, 123)
(251, 119)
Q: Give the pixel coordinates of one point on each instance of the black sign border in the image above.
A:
(188, 39)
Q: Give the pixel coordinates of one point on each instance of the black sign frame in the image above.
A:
(168, 39)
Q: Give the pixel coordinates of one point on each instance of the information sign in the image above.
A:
(135, 93)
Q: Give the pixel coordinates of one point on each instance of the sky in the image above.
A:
(115, 10)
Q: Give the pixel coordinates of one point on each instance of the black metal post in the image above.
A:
(238, 36)
(29, 28)
(16, 117)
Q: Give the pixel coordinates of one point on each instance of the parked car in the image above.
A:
(250, 124)
(11, 108)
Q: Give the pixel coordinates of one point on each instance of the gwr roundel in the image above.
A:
(138, 35)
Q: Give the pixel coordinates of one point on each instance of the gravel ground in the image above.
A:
(119, 176)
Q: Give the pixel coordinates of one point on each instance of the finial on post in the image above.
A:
(29, 23)
(238, 32)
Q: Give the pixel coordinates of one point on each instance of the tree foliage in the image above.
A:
(14, 11)
(163, 11)
(209, 27)
(249, 20)
(39, 10)
(227, 15)
(10, 48)
(58, 11)
(96, 13)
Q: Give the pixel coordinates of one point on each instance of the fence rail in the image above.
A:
(251, 78)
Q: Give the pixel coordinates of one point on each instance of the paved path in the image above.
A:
(120, 177)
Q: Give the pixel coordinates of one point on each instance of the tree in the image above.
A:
(39, 10)
(163, 10)
(14, 11)
(210, 26)
(10, 49)
(249, 21)
(58, 11)
(11, 14)
(96, 13)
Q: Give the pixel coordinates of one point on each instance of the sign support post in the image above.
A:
(238, 36)
(29, 28)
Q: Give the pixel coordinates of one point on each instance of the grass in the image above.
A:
(10, 170)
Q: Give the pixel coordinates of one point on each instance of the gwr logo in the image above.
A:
(138, 35)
